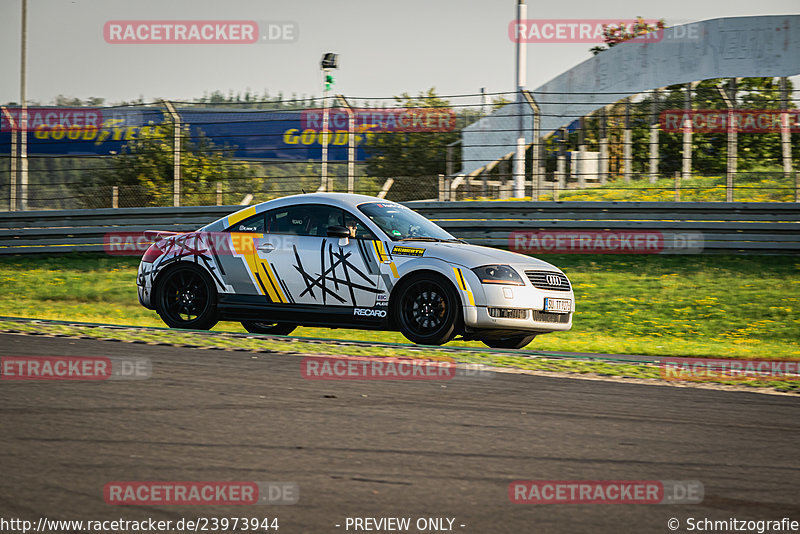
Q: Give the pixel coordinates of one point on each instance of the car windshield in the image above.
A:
(401, 223)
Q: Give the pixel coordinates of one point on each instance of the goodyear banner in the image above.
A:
(283, 135)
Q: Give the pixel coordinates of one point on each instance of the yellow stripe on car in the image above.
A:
(273, 279)
(378, 250)
(238, 216)
(463, 285)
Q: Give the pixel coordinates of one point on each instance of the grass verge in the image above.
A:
(694, 306)
(747, 188)
(256, 343)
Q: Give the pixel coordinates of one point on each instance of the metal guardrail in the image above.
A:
(725, 227)
(58, 231)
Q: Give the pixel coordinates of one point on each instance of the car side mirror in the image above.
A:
(342, 232)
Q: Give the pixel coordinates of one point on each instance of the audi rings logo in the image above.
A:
(553, 280)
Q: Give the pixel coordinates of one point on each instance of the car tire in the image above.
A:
(512, 342)
(264, 327)
(185, 297)
(427, 310)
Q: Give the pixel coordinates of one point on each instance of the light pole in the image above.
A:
(519, 159)
(329, 61)
(23, 112)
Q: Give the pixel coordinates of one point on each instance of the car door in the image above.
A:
(303, 265)
(234, 253)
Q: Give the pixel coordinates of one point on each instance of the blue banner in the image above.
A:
(251, 135)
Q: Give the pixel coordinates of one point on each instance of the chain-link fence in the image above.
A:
(715, 140)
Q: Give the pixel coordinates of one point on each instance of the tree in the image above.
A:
(391, 154)
(614, 34)
(145, 169)
(756, 151)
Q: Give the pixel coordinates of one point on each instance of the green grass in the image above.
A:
(697, 188)
(718, 306)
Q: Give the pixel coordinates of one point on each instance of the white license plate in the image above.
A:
(557, 305)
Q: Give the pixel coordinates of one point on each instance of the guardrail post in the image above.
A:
(219, 193)
(677, 186)
(115, 196)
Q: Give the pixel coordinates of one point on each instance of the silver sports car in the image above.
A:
(350, 261)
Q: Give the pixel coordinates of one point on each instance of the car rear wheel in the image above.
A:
(261, 327)
(186, 298)
(511, 342)
(427, 310)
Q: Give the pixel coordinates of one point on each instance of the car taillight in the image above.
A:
(152, 254)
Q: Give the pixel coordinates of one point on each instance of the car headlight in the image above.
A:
(498, 274)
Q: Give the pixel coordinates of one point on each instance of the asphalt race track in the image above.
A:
(445, 449)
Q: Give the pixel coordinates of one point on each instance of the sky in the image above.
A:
(385, 47)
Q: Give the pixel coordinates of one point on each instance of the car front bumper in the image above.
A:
(518, 308)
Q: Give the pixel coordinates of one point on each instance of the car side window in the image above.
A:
(253, 224)
(305, 220)
(357, 228)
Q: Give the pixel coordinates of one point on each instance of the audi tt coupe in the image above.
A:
(350, 261)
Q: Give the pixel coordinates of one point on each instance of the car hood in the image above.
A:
(471, 256)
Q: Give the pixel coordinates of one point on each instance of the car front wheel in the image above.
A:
(185, 298)
(427, 310)
(261, 327)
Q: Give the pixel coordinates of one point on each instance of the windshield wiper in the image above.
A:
(434, 239)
